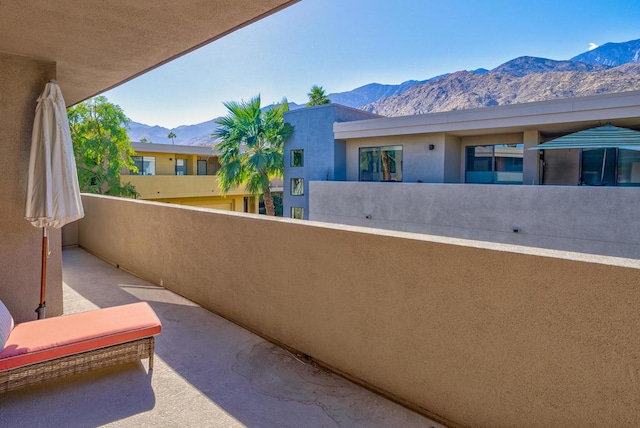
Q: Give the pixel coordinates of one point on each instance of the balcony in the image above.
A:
(208, 372)
(467, 332)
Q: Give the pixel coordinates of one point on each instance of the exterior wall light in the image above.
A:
(432, 146)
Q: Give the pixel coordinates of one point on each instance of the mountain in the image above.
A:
(369, 93)
(612, 54)
(463, 89)
(612, 67)
(187, 135)
(525, 65)
(157, 134)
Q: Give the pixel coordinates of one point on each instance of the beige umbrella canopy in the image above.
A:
(53, 193)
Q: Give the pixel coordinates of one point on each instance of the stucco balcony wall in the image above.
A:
(477, 333)
(177, 186)
(595, 220)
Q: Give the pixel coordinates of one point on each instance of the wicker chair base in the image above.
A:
(78, 363)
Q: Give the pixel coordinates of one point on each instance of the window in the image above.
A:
(297, 186)
(181, 166)
(381, 163)
(610, 167)
(146, 165)
(598, 167)
(297, 212)
(202, 167)
(496, 164)
(297, 158)
(628, 167)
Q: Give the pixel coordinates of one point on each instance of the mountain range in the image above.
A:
(612, 67)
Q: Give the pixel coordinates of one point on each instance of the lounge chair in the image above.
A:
(46, 349)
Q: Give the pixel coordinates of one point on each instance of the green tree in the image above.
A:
(251, 147)
(144, 140)
(101, 146)
(172, 136)
(317, 96)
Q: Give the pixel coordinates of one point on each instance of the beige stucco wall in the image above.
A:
(479, 334)
(531, 158)
(452, 165)
(21, 82)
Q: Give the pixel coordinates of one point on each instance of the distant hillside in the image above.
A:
(186, 135)
(612, 54)
(525, 65)
(612, 67)
(463, 90)
(369, 93)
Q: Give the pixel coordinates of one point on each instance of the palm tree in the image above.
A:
(317, 96)
(251, 147)
(172, 136)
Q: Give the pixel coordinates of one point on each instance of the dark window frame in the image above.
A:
(201, 162)
(292, 213)
(398, 167)
(295, 187)
(138, 161)
(186, 163)
(493, 162)
(293, 157)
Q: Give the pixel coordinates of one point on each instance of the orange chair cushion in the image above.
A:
(36, 341)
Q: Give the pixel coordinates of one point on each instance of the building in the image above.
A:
(185, 175)
(313, 153)
(452, 174)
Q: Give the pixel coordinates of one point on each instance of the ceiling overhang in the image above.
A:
(98, 45)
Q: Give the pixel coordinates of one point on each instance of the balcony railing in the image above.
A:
(208, 372)
(176, 186)
(477, 333)
(182, 186)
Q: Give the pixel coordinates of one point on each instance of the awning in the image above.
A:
(602, 137)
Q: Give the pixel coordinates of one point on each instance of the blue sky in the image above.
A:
(343, 44)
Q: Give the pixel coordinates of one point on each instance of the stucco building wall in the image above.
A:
(22, 80)
(597, 220)
(324, 157)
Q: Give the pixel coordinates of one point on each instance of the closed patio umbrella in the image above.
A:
(53, 193)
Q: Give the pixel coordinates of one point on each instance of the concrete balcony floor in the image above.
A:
(208, 372)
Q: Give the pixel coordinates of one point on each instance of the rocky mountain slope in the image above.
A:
(369, 93)
(612, 54)
(463, 89)
(612, 67)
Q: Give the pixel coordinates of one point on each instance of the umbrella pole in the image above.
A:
(604, 164)
(43, 275)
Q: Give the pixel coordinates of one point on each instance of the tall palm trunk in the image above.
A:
(269, 206)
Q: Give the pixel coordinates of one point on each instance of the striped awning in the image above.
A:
(602, 137)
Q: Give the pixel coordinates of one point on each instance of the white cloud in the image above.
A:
(592, 46)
